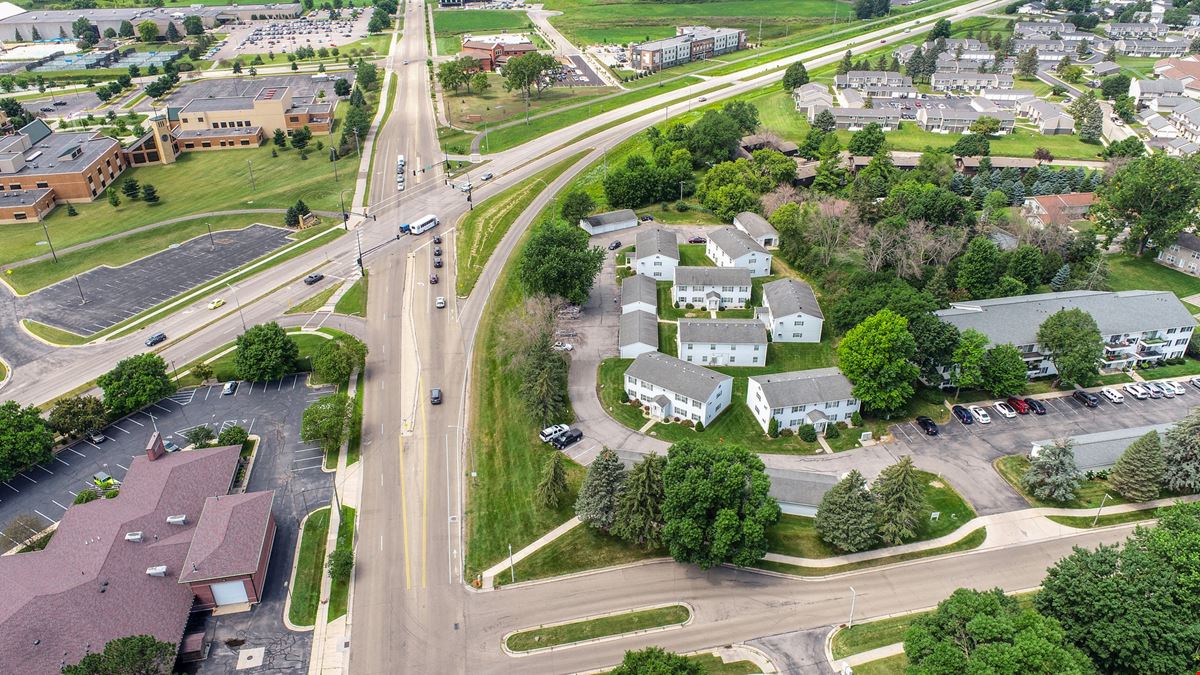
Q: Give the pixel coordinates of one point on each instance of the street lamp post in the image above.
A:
(51, 243)
(251, 168)
(345, 213)
(853, 598)
(211, 243)
(1102, 500)
(239, 305)
(82, 300)
(681, 189)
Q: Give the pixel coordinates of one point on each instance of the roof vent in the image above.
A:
(133, 536)
(157, 571)
(180, 519)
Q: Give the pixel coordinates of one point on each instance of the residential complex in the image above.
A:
(712, 288)
(791, 312)
(1183, 254)
(722, 342)
(637, 333)
(639, 292)
(1101, 450)
(758, 228)
(690, 43)
(1063, 209)
(656, 254)
(731, 247)
(1136, 326)
(818, 397)
(675, 389)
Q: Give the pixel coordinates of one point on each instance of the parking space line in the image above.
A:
(10, 487)
(119, 428)
(130, 419)
(306, 468)
(123, 466)
(27, 478)
(167, 410)
(77, 452)
(60, 459)
(45, 516)
(58, 505)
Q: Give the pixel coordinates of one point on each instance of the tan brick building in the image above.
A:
(270, 109)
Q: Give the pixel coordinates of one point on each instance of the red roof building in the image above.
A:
(1058, 209)
(493, 55)
(124, 566)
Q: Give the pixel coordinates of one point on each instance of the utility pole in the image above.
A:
(333, 158)
(853, 597)
(358, 237)
(211, 243)
(251, 167)
(47, 231)
(1102, 500)
(239, 305)
(82, 300)
(681, 189)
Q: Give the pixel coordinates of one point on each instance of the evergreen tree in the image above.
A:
(938, 287)
(1088, 116)
(131, 189)
(1061, 278)
(639, 518)
(172, 32)
(279, 138)
(1053, 475)
(601, 490)
(149, 194)
(847, 516)
(979, 268)
(846, 64)
(552, 489)
(113, 200)
(824, 121)
(900, 499)
(1181, 452)
(1027, 63)
(1138, 474)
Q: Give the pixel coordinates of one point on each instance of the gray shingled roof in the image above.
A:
(1016, 320)
(789, 296)
(638, 327)
(756, 225)
(734, 242)
(656, 241)
(725, 331)
(712, 276)
(1102, 450)
(610, 217)
(676, 375)
(639, 288)
(804, 386)
(1189, 241)
(804, 488)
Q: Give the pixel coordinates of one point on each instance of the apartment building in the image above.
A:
(1051, 118)
(1155, 48)
(1136, 326)
(1182, 255)
(637, 333)
(675, 389)
(1137, 31)
(758, 228)
(40, 168)
(690, 43)
(731, 247)
(1186, 118)
(1185, 70)
(656, 254)
(712, 288)
(959, 121)
(853, 119)
(811, 95)
(1021, 28)
(968, 81)
(819, 397)
(722, 342)
(639, 293)
(1144, 91)
(1064, 209)
(791, 312)
(862, 79)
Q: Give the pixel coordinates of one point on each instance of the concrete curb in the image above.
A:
(573, 575)
(287, 604)
(250, 464)
(8, 372)
(608, 638)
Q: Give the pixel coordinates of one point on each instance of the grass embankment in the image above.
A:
(310, 565)
(481, 229)
(339, 591)
(798, 536)
(476, 111)
(892, 665)
(1086, 522)
(313, 303)
(354, 301)
(354, 444)
(1088, 496)
(582, 548)
(591, 629)
(53, 335)
(973, 540)
(223, 368)
(387, 112)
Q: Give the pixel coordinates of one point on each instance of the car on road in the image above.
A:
(437, 250)
(1195, 382)
(435, 396)
(646, 218)
(1036, 406)
(313, 278)
(1112, 395)
(702, 99)
(552, 432)
(60, 103)
(563, 347)
(568, 437)
(962, 414)
(440, 303)
(614, 245)
(437, 262)
(1175, 386)
(980, 415)
(1005, 409)
(927, 425)
(216, 303)
(1136, 390)
(433, 278)
(465, 187)
(155, 339)
(486, 176)
(96, 436)
(1017, 404)
(1087, 398)
(230, 388)
(437, 239)
(697, 240)
(46, 109)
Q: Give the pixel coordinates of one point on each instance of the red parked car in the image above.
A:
(1020, 406)
(697, 240)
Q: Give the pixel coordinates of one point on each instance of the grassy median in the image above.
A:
(973, 540)
(339, 591)
(591, 629)
(354, 301)
(310, 566)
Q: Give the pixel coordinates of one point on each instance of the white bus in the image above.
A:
(422, 225)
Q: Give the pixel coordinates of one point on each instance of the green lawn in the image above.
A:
(591, 629)
(354, 444)
(460, 21)
(1190, 366)
(1088, 496)
(736, 424)
(498, 105)
(339, 591)
(692, 255)
(611, 381)
(971, 541)
(354, 301)
(863, 637)
(892, 665)
(668, 338)
(3, 371)
(310, 567)
(53, 335)
(1085, 522)
(797, 535)
(223, 368)
(784, 357)
(312, 304)
(225, 176)
(1127, 273)
(481, 229)
(582, 548)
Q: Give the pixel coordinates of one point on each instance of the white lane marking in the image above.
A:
(44, 516)
(16, 490)
(130, 419)
(58, 505)
(77, 452)
(160, 407)
(60, 459)
(123, 466)
(27, 477)
(119, 429)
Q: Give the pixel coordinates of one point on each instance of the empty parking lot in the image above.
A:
(113, 294)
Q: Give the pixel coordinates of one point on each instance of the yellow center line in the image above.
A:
(404, 513)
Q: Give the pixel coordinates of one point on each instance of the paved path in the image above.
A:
(354, 325)
(489, 575)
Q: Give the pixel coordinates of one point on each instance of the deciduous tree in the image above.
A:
(264, 352)
(876, 355)
(77, 415)
(557, 261)
(140, 654)
(1072, 340)
(25, 438)
(1004, 371)
(325, 421)
(796, 75)
(135, 382)
(336, 359)
(1156, 196)
(656, 661)
(968, 361)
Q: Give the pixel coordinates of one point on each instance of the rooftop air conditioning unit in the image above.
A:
(181, 519)
(133, 536)
(157, 571)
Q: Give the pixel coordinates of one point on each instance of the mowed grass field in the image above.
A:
(200, 182)
(462, 21)
(622, 21)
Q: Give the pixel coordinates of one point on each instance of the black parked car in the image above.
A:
(927, 425)
(1086, 397)
(963, 414)
(569, 437)
(614, 245)
(1036, 406)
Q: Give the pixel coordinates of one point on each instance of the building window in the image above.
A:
(14, 186)
(20, 216)
(43, 184)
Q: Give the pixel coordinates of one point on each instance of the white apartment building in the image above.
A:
(730, 247)
(1183, 255)
(758, 228)
(712, 288)
(790, 311)
(818, 397)
(639, 293)
(675, 389)
(722, 342)
(637, 333)
(656, 253)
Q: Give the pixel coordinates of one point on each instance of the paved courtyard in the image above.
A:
(114, 294)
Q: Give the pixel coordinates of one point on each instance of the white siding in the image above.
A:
(731, 296)
(658, 267)
(798, 327)
(722, 354)
(793, 417)
(682, 407)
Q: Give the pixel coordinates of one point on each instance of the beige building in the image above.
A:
(270, 109)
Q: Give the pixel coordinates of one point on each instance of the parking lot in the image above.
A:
(282, 463)
(280, 36)
(583, 76)
(113, 294)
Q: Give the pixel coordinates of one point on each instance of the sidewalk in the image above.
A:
(1003, 530)
(489, 575)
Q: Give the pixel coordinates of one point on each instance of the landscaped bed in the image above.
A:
(1091, 491)
(310, 566)
(591, 629)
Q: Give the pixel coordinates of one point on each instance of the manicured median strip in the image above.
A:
(339, 591)
(572, 632)
(973, 540)
(354, 301)
(310, 565)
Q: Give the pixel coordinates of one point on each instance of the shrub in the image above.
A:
(699, 426)
(341, 564)
(787, 433)
(112, 494)
(807, 433)
(688, 306)
(85, 496)
(234, 435)
(856, 419)
(688, 423)
(832, 431)
(681, 207)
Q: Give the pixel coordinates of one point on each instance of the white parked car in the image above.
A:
(1179, 390)
(550, 433)
(1195, 382)
(980, 415)
(440, 303)
(1136, 390)
(1112, 395)
(1005, 409)
(1167, 391)
(563, 347)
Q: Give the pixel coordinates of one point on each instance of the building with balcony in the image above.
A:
(1183, 254)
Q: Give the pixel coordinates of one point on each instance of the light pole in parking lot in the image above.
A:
(239, 305)
(251, 168)
(47, 231)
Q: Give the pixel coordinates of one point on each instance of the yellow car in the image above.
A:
(216, 303)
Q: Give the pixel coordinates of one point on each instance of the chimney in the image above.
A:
(177, 520)
(158, 571)
(155, 449)
(133, 536)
